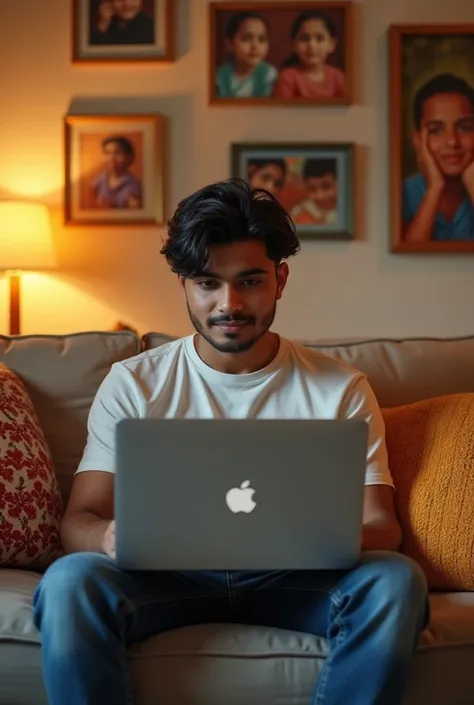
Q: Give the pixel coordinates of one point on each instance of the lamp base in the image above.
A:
(14, 303)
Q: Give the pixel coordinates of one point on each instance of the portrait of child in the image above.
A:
(320, 203)
(281, 53)
(432, 138)
(246, 74)
(313, 182)
(438, 201)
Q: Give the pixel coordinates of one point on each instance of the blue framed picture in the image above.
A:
(314, 183)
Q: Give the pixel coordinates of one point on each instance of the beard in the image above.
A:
(233, 344)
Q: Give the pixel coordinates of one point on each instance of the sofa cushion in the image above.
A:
(30, 500)
(62, 374)
(399, 371)
(431, 454)
(236, 664)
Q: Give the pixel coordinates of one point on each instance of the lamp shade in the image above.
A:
(26, 240)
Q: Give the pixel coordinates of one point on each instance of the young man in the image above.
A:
(228, 244)
(438, 202)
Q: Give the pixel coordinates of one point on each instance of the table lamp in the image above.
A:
(26, 243)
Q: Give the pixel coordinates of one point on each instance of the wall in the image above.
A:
(354, 289)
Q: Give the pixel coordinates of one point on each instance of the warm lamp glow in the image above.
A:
(26, 240)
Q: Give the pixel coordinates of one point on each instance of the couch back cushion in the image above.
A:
(399, 371)
(62, 375)
(431, 452)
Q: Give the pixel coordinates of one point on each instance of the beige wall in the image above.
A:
(335, 289)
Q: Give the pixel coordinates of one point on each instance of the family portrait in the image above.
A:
(314, 183)
(280, 53)
(432, 138)
(122, 30)
(114, 169)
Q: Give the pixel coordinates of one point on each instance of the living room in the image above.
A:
(86, 287)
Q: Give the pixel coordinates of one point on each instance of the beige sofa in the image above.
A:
(223, 664)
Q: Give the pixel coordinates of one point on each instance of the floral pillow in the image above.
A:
(30, 500)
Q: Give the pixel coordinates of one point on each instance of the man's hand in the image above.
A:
(468, 181)
(427, 164)
(108, 541)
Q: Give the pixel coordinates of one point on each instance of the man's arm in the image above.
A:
(89, 512)
(88, 521)
(381, 529)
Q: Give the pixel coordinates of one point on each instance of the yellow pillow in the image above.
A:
(431, 455)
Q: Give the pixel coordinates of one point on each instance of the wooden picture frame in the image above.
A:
(428, 65)
(147, 36)
(313, 181)
(114, 170)
(273, 75)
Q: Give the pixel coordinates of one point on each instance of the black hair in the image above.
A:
(223, 213)
(261, 162)
(238, 19)
(442, 83)
(317, 168)
(124, 144)
(293, 59)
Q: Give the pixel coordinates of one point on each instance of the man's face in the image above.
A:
(449, 121)
(233, 303)
(127, 9)
(322, 190)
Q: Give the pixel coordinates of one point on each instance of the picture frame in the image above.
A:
(261, 53)
(431, 134)
(114, 169)
(142, 34)
(313, 181)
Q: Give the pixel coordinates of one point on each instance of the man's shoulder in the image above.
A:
(318, 361)
(154, 359)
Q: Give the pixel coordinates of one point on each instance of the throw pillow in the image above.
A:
(30, 501)
(431, 453)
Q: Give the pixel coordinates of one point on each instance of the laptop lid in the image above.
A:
(194, 494)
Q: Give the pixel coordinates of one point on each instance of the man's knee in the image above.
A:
(67, 579)
(395, 576)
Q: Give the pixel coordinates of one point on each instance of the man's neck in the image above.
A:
(259, 356)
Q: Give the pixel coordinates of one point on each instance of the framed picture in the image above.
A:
(114, 169)
(314, 183)
(432, 138)
(281, 53)
(122, 30)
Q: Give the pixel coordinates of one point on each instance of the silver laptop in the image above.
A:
(239, 494)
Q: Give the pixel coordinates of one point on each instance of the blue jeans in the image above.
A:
(89, 612)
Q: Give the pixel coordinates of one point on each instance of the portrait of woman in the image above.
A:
(114, 169)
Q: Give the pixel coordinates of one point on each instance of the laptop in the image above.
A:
(202, 494)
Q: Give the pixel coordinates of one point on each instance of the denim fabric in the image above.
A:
(89, 612)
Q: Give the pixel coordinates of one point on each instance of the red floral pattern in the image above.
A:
(30, 501)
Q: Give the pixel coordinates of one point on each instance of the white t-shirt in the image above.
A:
(173, 382)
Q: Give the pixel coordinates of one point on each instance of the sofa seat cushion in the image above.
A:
(222, 664)
(452, 623)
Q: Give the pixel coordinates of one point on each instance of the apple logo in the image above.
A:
(239, 499)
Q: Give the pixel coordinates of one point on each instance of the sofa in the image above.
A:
(226, 664)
